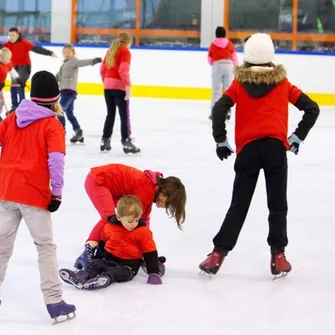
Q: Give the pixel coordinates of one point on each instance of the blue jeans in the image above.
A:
(17, 95)
(67, 98)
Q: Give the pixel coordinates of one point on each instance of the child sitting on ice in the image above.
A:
(116, 261)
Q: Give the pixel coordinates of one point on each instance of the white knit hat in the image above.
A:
(259, 49)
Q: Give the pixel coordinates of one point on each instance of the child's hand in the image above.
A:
(154, 279)
(127, 93)
(54, 55)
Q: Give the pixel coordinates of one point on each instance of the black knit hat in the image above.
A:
(220, 32)
(44, 88)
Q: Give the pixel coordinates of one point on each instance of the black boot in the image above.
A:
(105, 144)
(77, 137)
(129, 147)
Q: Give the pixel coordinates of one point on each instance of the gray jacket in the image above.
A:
(67, 76)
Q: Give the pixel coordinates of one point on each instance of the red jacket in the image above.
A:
(4, 70)
(222, 49)
(124, 180)
(20, 51)
(117, 77)
(130, 247)
(261, 96)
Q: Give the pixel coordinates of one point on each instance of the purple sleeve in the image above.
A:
(56, 169)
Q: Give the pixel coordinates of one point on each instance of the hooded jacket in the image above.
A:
(124, 180)
(261, 95)
(222, 49)
(32, 155)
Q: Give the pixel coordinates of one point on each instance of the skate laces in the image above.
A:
(90, 251)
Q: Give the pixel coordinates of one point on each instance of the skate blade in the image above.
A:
(280, 275)
(63, 318)
(204, 274)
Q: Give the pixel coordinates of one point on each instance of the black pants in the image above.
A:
(115, 98)
(268, 154)
(116, 272)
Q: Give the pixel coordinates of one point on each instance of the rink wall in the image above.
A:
(185, 74)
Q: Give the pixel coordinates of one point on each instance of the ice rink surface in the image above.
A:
(175, 138)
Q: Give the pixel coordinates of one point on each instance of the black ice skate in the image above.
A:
(129, 147)
(76, 279)
(77, 137)
(56, 311)
(211, 265)
(280, 267)
(101, 281)
(105, 144)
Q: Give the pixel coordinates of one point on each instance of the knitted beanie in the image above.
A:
(259, 49)
(220, 32)
(44, 88)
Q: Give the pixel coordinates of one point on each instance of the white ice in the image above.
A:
(175, 138)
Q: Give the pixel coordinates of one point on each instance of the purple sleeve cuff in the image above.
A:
(56, 170)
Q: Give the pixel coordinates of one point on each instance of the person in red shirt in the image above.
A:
(106, 184)
(222, 57)
(32, 158)
(21, 61)
(6, 67)
(261, 93)
(125, 241)
(114, 72)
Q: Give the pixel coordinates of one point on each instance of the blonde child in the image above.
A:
(115, 76)
(32, 159)
(67, 77)
(6, 67)
(126, 239)
(222, 57)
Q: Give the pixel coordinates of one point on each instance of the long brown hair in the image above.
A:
(174, 190)
(123, 39)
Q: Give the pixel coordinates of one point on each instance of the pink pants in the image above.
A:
(102, 200)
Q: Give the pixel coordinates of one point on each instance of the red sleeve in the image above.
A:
(125, 66)
(294, 93)
(231, 92)
(56, 137)
(28, 45)
(147, 241)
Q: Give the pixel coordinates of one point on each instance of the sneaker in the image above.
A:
(212, 264)
(279, 263)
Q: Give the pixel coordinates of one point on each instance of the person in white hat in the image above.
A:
(261, 93)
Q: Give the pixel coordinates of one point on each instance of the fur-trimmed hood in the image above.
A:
(259, 80)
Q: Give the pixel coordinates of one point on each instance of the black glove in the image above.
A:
(54, 203)
(223, 150)
(2, 85)
(294, 142)
(97, 60)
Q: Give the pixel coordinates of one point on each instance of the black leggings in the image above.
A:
(115, 98)
(268, 154)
